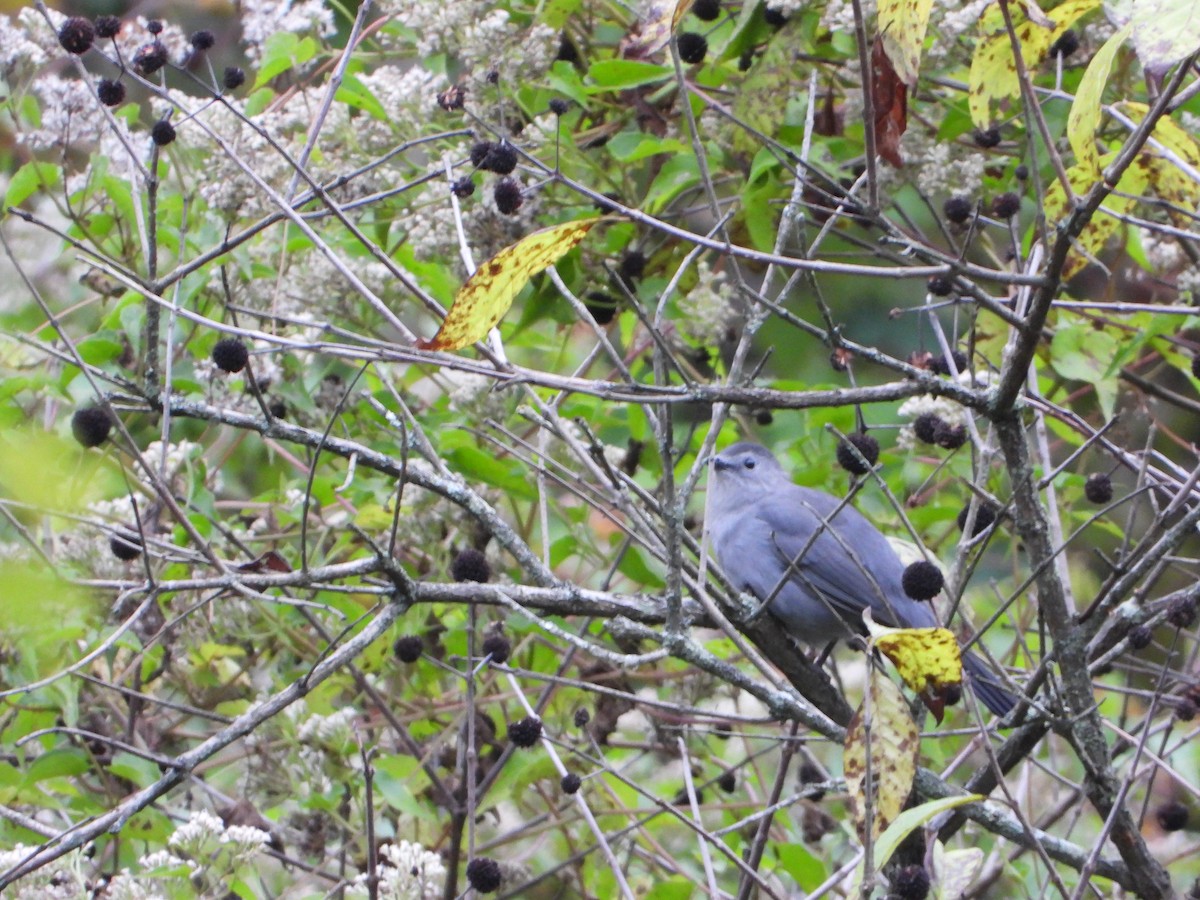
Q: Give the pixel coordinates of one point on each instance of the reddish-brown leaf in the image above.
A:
(889, 94)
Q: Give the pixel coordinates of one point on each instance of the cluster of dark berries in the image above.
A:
(1098, 488)
(582, 717)
(1067, 43)
(1172, 816)
(1006, 205)
(492, 156)
(985, 516)
(525, 732)
(230, 355)
(91, 425)
(958, 209)
(809, 775)
(484, 875)
(866, 445)
(988, 138)
(693, 47)
(497, 646)
(1182, 612)
(571, 783)
(471, 565)
(125, 545)
(940, 286)
(930, 428)
(939, 365)
(408, 649)
(911, 883)
(706, 10)
(601, 306)
(1140, 637)
(507, 194)
(922, 580)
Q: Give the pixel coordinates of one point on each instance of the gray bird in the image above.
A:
(760, 522)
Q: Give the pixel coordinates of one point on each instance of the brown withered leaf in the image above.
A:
(889, 95)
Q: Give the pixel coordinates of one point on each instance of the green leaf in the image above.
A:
(912, 819)
(355, 94)
(620, 74)
(634, 567)
(58, 764)
(676, 888)
(283, 51)
(29, 179)
(1082, 353)
(630, 146)
(473, 464)
(805, 869)
(1084, 120)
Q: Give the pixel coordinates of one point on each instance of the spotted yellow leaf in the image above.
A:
(487, 295)
(1169, 154)
(1103, 225)
(880, 755)
(1084, 120)
(902, 25)
(1164, 32)
(993, 80)
(928, 659)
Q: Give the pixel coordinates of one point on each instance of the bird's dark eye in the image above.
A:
(749, 463)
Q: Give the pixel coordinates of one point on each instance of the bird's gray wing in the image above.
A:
(848, 565)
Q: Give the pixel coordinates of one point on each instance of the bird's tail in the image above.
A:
(987, 686)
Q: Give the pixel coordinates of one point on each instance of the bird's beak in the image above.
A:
(720, 464)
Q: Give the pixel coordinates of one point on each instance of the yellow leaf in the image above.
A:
(882, 743)
(993, 79)
(1084, 121)
(956, 869)
(1102, 225)
(1165, 177)
(482, 302)
(902, 25)
(928, 659)
(1164, 32)
(681, 8)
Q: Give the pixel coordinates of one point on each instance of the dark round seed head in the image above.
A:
(501, 158)
(951, 694)
(154, 26)
(939, 366)
(408, 649)
(911, 883)
(940, 286)
(479, 152)
(571, 783)
(774, 17)
(107, 26)
(988, 137)
(1185, 711)
(1140, 637)
(925, 427)
(162, 133)
(493, 76)
(728, 781)
(149, 58)
(91, 425)
(76, 35)
(950, 437)
(484, 874)
(110, 93)
(507, 194)
(559, 106)
(471, 565)
(230, 355)
(233, 78)
(692, 47)
(525, 732)
(764, 417)
(498, 647)
(958, 209)
(1067, 43)
(277, 408)
(985, 515)
(1196, 365)
(125, 546)
(922, 580)
(745, 61)
(1098, 488)
(1172, 816)
(866, 445)
(633, 265)
(601, 306)
(582, 717)
(1022, 172)
(810, 774)
(1182, 612)
(462, 187)
(706, 10)
(202, 40)
(1006, 205)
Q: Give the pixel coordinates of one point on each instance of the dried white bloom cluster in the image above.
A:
(708, 309)
(263, 18)
(943, 167)
(70, 115)
(948, 21)
(787, 7)
(18, 54)
(1162, 251)
(203, 837)
(407, 871)
(432, 233)
(839, 15)
(64, 880)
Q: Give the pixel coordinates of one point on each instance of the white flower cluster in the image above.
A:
(70, 115)
(410, 97)
(839, 15)
(943, 167)
(18, 54)
(335, 730)
(480, 37)
(432, 233)
(708, 309)
(950, 412)
(64, 880)
(204, 835)
(1189, 281)
(263, 18)
(407, 871)
(789, 7)
(948, 21)
(134, 35)
(1162, 251)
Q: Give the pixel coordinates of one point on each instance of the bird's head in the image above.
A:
(742, 471)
